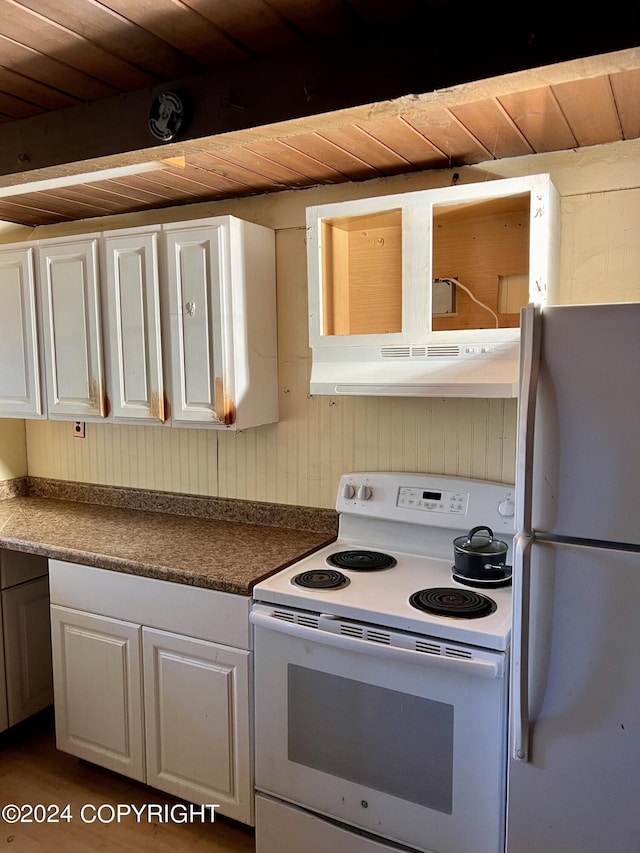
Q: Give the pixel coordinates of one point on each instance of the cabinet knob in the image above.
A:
(190, 309)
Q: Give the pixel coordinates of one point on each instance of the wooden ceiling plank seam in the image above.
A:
(348, 165)
(382, 144)
(469, 133)
(538, 115)
(137, 184)
(238, 160)
(10, 213)
(56, 39)
(283, 154)
(427, 140)
(408, 141)
(208, 162)
(332, 134)
(214, 164)
(50, 202)
(488, 123)
(246, 157)
(617, 112)
(121, 187)
(315, 20)
(120, 194)
(84, 196)
(33, 91)
(30, 204)
(625, 87)
(76, 208)
(615, 101)
(187, 30)
(214, 181)
(133, 44)
(163, 184)
(17, 108)
(360, 168)
(366, 148)
(448, 135)
(590, 110)
(253, 23)
(42, 68)
(193, 184)
(514, 127)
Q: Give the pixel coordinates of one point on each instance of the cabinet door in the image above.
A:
(20, 394)
(98, 690)
(133, 314)
(72, 332)
(196, 259)
(197, 721)
(27, 642)
(4, 716)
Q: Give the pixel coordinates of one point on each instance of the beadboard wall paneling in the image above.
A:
(13, 449)
(145, 457)
(299, 459)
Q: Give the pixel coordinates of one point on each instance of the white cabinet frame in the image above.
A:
(20, 379)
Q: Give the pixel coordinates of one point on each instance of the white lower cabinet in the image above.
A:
(141, 697)
(98, 690)
(196, 703)
(25, 640)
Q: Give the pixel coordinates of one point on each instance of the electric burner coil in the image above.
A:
(457, 603)
(361, 561)
(321, 579)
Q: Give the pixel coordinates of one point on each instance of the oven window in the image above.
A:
(383, 739)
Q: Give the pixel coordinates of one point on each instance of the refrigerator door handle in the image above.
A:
(520, 649)
(530, 345)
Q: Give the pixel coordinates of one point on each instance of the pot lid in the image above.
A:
(478, 542)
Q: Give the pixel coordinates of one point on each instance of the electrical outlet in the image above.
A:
(78, 429)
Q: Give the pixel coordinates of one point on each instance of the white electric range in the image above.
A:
(381, 680)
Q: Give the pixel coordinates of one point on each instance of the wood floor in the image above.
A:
(33, 771)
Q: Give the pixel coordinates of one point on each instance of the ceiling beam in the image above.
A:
(375, 67)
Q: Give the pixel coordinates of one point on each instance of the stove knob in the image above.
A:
(348, 491)
(364, 493)
(506, 508)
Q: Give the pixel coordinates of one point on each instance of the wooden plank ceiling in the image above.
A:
(64, 63)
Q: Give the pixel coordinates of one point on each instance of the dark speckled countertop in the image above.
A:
(206, 542)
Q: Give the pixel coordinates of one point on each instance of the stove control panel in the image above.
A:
(427, 500)
(432, 500)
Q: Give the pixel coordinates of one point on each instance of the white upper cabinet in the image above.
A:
(420, 294)
(160, 324)
(20, 385)
(131, 295)
(221, 279)
(72, 331)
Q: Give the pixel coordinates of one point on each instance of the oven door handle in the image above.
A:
(485, 668)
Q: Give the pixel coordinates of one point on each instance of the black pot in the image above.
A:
(478, 556)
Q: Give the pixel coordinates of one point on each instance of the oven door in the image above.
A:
(398, 735)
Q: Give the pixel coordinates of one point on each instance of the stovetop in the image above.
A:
(390, 521)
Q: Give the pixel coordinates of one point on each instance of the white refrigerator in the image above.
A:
(574, 736)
